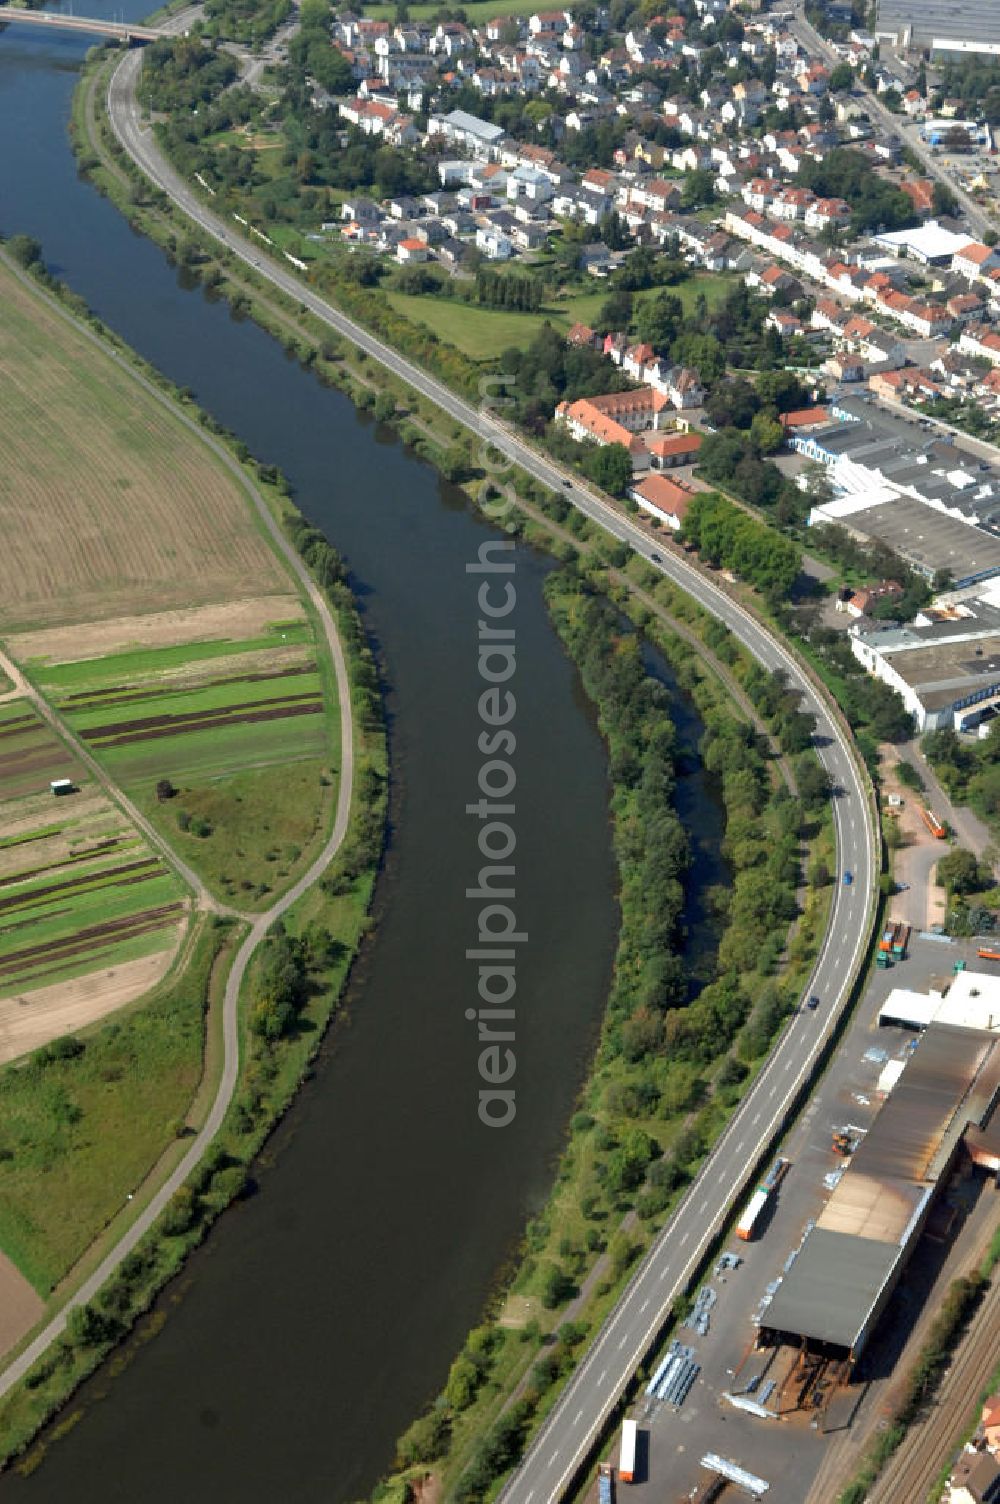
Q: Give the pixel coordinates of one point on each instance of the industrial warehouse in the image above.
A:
(940, 1107)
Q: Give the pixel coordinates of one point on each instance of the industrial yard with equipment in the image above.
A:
(884, 1191)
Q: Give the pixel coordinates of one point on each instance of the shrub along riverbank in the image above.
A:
(309, 954)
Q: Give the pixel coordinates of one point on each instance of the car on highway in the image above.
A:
(656, 558)
(568, 484)
(813, 1002)
(848, 879)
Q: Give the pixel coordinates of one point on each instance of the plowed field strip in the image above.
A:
(120, 694)
(178, 726)
(104, 876)
(88, 939)
(73, 859)
(16, 726)
(180, 719)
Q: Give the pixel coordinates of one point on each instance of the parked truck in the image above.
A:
(605, 1484)
(626, 1459)
(932, 822)
(758, 1201)
(900, 941)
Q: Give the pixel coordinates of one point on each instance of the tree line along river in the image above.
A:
(323, 1313)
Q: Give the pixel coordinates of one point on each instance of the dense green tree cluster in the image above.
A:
(876, 204)
(310, 53)
(875, 710)
(549, 370)
(183, 74)
(727, 537)
(877, 561)
(248, 21)
(496, 289)
(969, 771)
(279, 988)
(610, 467)
(977, 84)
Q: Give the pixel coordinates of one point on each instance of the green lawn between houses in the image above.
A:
(485, 333)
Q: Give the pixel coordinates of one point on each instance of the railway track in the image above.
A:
(912, 1471)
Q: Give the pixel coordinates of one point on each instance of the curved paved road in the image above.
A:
(818, 46)
(259, 923)
(603, 1374)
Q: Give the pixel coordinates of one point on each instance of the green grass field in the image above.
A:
(243, 732)
(485, 333)
(480, 333)
(476, 11)
(79, 887)
(78, 1134)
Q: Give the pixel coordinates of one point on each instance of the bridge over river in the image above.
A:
(64, 21)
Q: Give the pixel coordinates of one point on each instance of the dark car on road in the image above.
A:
(813, 1002)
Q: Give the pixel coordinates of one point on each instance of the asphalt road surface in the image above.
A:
(603, 1374)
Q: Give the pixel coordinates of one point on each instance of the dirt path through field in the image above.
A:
(30, 1019)
(20, 1306)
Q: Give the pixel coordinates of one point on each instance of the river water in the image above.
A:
(323, 1313)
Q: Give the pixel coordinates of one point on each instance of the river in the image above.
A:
(323, 1312)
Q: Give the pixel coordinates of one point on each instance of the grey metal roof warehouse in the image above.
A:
(833, 1285)
(926, 539)
(920, 22)
(849, 1264)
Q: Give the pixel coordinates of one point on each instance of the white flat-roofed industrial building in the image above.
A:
(971, 1001)
(945, 665)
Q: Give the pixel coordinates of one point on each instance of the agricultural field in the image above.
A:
(225, 743)
(89, 914)
(107, 504)
(82, 1122)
